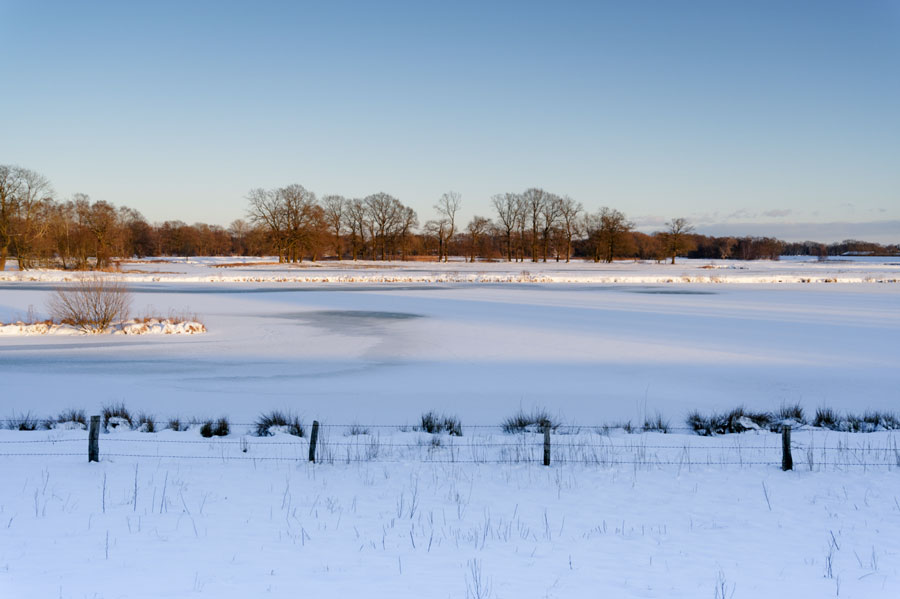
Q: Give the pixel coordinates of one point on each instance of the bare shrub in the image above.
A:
(92, 304)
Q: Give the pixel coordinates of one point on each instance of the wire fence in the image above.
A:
(810, 448)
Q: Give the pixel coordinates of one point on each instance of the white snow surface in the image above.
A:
(386, 352)
(650, 515)
(392, 513)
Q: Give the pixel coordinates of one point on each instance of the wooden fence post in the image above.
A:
(787, 462)
(313, 437)
(94, 440)
(546, 445)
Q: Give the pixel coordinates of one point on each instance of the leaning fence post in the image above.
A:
(787, 462)
(546, 445)
(313, 437)
(94, 440)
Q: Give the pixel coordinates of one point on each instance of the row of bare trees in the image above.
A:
(293, 224)
(298, 225)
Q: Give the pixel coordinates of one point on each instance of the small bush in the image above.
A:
(536, 421)
(284, 422)
(219, 428)
(23, 422)
(433, 423)
(92, 304)
(146, 423)
(116, 415)
(175, 424)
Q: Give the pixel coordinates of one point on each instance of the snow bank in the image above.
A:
(129, 327)
(886, 270)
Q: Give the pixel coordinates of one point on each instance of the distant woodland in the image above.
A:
(294, 224)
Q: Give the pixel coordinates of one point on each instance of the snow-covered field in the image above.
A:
(411, 520)
(593, 344)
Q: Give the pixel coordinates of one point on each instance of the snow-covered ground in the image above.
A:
(354, 347)
(223, 522)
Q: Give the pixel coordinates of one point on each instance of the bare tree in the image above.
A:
(92, 304)
(569, 213)
(533, 202)
(301, 215)
(357, 221)
(385, 212)
(676, 236)
(448, 206)
(609, 233)
(266, 210)
(334, 207)
(24, 202)
(406, 222)
(550, 209)
(238, 229)
(100, 221)
(509, 213)
(477, 227)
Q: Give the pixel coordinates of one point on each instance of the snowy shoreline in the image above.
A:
(253, 270)
(152, 326)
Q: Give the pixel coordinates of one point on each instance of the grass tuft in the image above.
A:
(285, 422)
(536, 421)
(219, 428)
(146, 423)
(434, 423)
(117, 415)
(72, 416)
(23, 422)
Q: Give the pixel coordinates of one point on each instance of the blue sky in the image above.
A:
(733, 114)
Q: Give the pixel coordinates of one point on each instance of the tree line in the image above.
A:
(294, 224)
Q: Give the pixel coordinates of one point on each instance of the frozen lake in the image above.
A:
(384, 353)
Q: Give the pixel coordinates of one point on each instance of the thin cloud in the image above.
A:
(883, 231)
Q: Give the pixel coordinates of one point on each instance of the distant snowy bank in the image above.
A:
(133, 326)
(252, 270)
